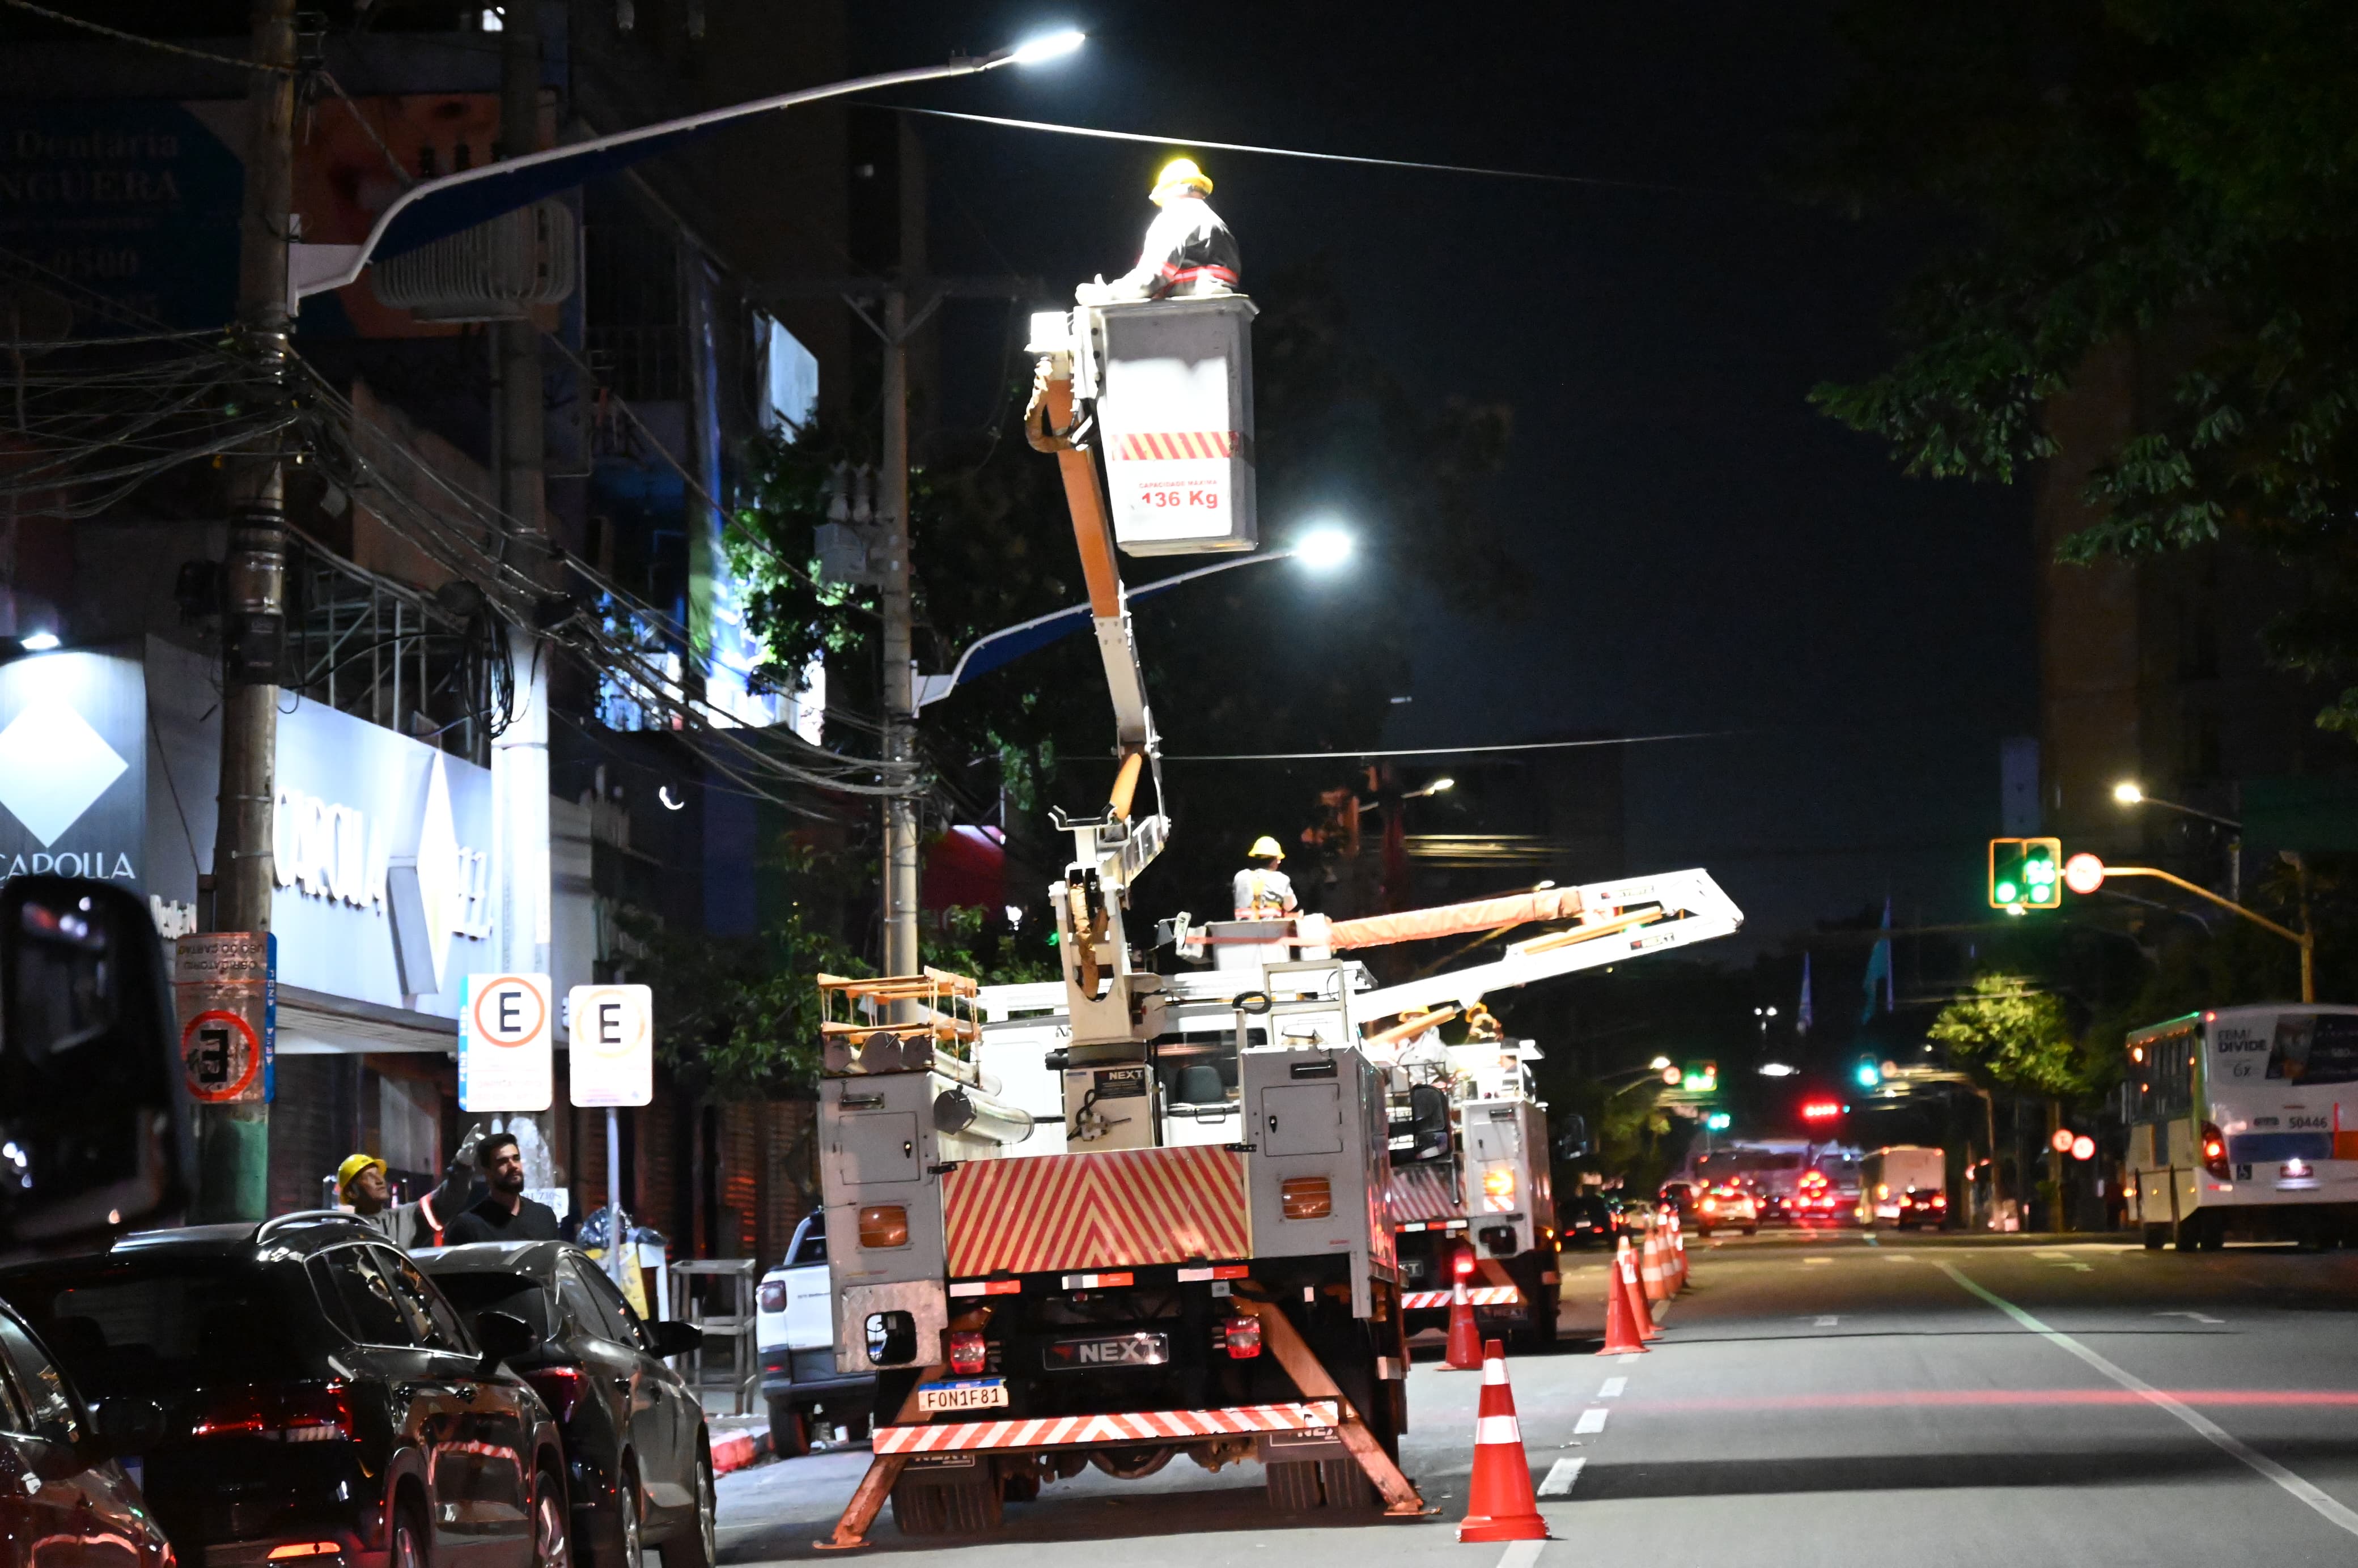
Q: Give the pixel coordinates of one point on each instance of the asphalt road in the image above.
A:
(1817, 1400)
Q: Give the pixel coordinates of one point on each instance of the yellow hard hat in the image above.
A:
(1265, 848)
(350, 1171)
(1183, 171)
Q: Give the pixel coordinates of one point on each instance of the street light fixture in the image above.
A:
(1323, 549)
(1778, 1069)
(1441, 785)
(2130, 792)
(435, 209)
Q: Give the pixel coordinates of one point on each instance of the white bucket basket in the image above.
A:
(1174, 416)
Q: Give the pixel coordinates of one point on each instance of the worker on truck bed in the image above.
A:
(1262, 891)
(1188, 253)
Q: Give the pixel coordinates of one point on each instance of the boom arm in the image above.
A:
(1107, 1002)
(1641, 915)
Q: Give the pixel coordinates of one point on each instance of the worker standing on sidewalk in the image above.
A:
(1262, 891)
(361, 1181)
(1188, 253)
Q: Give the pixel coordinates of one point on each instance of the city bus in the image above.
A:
(1906, 1183)
(2243, 1121)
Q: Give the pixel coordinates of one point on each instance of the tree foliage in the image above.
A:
(2020, 1037)
(2178, 176)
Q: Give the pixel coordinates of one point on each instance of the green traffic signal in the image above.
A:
(2026, 873)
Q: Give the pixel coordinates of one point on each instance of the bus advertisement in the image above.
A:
(2243, 1121)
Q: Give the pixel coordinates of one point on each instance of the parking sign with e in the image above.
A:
(610, 1044)
(504, 1044)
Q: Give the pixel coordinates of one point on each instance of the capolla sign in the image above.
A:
(73, 766)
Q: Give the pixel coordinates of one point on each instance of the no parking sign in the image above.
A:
(505, 1039)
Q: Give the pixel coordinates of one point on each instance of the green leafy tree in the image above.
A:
(2165, 185)
(2018, 1037)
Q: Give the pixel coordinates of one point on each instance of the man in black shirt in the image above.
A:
(505, 1213)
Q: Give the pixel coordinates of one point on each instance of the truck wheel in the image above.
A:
(1347, 1485)
(789, 1429)
(1293, 1486)
(2155, 1238)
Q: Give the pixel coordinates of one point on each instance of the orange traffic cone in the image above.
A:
(1640, 1306)
(1465, 1352)
(1649, 1265)
(1621, 1333)
(1679, 1251)
(1499, 1505)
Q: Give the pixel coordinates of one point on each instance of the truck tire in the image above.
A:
(789, 1429)
(1347, 1487)
(2156, 1236)
(971, 1505)
(1293, 1486)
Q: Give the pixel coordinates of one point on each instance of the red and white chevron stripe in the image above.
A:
(1477, 1295)
(1121, 1209)
(1164, 444)
(1420, 1195)
(1083, 1431)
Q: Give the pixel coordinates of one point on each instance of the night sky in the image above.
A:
(1710, 554)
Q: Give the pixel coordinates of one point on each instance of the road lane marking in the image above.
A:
(1522, 1554)
(1628, 1355)
(2226, 1441)
(2047, 1254)
(1817, 1260)
(1829, 1321)
(1560, 1478)
(2196, 1317)
(1591, 1420)
(1612, 1389)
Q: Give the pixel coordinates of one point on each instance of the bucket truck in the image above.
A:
(1123, 1217)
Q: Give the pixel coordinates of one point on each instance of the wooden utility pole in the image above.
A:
(234, 1140)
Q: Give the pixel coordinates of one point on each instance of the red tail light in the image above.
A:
(2215, 1151)
(1242, 1336)
(559, 1387)
(968, 1355)
(773, 1295)
(1462, 1264)
(1940, 1200)
(302, 1413)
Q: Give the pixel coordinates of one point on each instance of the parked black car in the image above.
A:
(324, 1405)
(60, 1480)
(635, 1433)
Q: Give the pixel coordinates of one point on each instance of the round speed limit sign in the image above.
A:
(222, 1055)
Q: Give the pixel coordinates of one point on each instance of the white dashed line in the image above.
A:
(1522, 1554)
(2196, 1317)
(1829, 1321)
(1613, 1386)
(1560, 1478)
(1628, 1355)
(1817, 1260)
(1591, 1420)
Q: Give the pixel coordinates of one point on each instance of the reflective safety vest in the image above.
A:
(1263, 895)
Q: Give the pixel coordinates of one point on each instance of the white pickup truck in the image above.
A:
(795, 1330)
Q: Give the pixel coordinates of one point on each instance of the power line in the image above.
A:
(119, 36)
(1452, 751)
(1480, 169)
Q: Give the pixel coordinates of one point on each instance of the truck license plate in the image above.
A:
(967, 1394)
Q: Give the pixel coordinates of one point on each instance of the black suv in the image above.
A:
(635, 1431)
(325, 1407)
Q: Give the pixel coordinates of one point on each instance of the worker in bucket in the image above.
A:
(1262, 891)
(1188, 253)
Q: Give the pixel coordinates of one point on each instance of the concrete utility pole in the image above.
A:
(234, 1140)
(520, 752)
(901, 893)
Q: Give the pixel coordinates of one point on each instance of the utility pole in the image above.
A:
(234, 1140)
(900, 681)
(520, 750)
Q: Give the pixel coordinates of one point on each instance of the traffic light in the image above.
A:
(1719, 1121)
(1866, 1074)
(1702, 1078)
(2026, 873)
